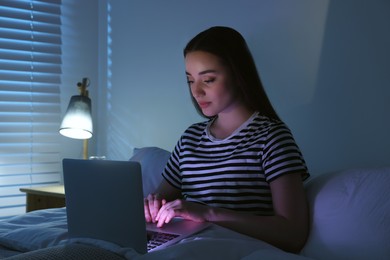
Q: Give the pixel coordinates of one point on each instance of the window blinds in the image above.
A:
(30, 112)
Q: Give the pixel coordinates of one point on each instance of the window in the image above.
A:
(30, 112)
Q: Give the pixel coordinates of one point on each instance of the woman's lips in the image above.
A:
(204, 104)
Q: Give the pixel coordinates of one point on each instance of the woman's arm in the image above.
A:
(287, 228)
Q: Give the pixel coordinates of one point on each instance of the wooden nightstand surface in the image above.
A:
(54, 191)
(44, 197)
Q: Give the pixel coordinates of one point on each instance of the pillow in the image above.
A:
(153, 161)
(350, 215)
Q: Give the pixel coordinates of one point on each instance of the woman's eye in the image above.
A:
(189, 81)
(209, 81)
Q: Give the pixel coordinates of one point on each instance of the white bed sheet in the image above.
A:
(45, 228)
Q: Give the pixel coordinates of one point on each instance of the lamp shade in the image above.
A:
(77, 122)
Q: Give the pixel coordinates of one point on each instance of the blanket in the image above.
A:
(48, 228)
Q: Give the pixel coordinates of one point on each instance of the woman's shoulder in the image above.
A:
(199, 126)
(196, 129)
(266, 123)
(264, 128)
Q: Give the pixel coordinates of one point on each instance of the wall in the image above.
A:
(324, 65)
(346, 123)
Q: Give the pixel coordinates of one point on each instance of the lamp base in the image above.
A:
(85, 149)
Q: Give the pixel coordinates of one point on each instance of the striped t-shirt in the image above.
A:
(235, 172)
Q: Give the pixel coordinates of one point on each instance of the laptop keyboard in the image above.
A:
(156, 239)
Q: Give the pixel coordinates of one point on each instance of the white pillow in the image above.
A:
(153, 161)
(350, 214)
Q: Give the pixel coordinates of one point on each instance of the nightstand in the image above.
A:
(44, 197)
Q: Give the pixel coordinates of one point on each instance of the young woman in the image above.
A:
(241, 168)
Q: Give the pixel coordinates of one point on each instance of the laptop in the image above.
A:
(104, 200)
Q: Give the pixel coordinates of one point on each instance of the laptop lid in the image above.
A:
(104, 200)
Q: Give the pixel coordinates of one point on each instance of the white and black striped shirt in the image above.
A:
(235, 172)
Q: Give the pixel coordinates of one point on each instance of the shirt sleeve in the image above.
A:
(281, 154)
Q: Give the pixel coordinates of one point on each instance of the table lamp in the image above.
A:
(77, 122)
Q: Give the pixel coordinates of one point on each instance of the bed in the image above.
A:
(350, 219)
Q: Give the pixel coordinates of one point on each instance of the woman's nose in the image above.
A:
(197, 90)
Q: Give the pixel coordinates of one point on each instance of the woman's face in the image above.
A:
(209, 82)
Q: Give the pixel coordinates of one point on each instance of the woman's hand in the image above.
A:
(152, 205)
(181, 208)
(153, 202)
